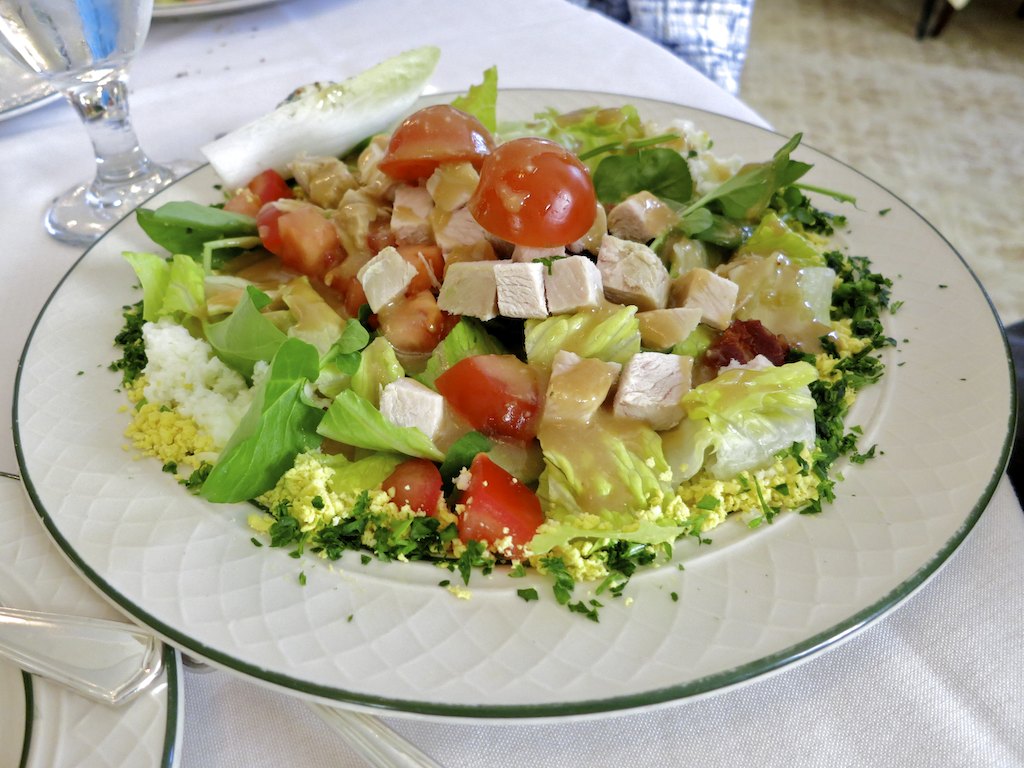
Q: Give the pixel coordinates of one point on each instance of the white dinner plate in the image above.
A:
(386, 635)
(21, 91)
(43, 725)
(169, 9)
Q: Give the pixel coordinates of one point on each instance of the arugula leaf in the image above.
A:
(746, 195)
(185, 227)
(659, 170)
(278, 425)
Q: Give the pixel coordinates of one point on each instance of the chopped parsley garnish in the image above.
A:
(133, 350)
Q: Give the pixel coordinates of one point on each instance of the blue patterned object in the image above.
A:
(710, 35)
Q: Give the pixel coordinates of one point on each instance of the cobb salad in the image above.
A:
(560, 344)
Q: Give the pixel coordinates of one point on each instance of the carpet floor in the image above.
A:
(938, 121)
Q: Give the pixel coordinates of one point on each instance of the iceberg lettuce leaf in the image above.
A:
(170, 287)
(466, 339)
(741, 419)
(378, 367)
(607, 477)
(772, 236)
(354, 477)
(610, 333)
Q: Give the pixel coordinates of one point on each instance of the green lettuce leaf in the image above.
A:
(610, 333)
(466, 339)
(773, 236)
(353, 420)
(357, 476)
(604, 478)
(740, 419)
(482, 100)
(245, 336)
(279, 425)
(378, 367)
(171, 287)
(586, 132)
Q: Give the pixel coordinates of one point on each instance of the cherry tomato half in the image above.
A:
(431, 136)
(534, 192)
(416, 482)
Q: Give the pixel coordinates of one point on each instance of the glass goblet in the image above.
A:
(83, 48)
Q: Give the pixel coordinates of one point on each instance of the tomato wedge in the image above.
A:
(417, 482)
(429, 263)
(431, 136)
(497, 508)
(265, 188)
(534, 192)
(301, 237)
(413, 324)
(499, 395)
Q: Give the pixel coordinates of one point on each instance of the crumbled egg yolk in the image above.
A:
(783, 484)
(162, 432)
(307, 492)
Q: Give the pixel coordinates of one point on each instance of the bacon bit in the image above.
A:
(744, 340)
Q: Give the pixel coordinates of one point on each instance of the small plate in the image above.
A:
(43, 725)
(386, 635)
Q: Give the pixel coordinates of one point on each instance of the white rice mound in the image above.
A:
(183, 373)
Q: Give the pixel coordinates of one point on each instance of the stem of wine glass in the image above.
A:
(125, 176)
(120, 161)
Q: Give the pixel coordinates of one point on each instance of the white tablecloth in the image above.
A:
(938, 682)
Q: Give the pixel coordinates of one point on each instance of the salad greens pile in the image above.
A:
(753, 440)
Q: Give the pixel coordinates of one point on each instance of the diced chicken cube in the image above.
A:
(632, 274)
(591, 241)
(354, 217)
(641, 217)
(652, 387)
(385, 277)
(664, 328)
(452, 184)
(455, 228)
(578, 386)
(520, 289)
(470, 288)
(410, 214)
(374, 181)
(323, 179)
(572, 284)
(527, 254)
(715, 296)
(407, 403)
